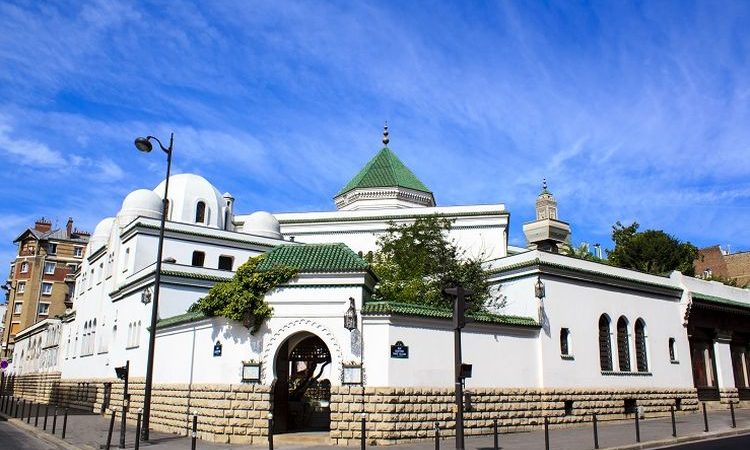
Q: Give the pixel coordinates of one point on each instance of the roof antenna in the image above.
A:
(385, 134)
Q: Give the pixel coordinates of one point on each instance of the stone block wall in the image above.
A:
(398, 415)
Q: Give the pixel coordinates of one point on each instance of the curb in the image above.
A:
(34, 431)
(667, 443)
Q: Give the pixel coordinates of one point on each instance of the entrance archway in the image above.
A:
(302, 389)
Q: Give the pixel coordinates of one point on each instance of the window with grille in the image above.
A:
(605, 346)
(623, 350)
(198, 258)
(200, 212)
(225, 262)
(641, 358)
(564, 343)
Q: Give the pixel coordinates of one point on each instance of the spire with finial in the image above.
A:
(544, 185)
(385, 134)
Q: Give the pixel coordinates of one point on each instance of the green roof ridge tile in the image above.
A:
(409, 309)
(188, 317)
(385, 169)
(719, 300)
(315, 258)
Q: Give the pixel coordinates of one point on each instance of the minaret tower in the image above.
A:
(546, 233)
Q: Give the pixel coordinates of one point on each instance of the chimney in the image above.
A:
(69, 227)
(43, 225)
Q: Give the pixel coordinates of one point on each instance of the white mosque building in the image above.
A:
(572, 338)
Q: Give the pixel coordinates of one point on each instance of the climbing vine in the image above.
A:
(243, 298)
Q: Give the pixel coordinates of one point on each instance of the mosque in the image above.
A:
(572, 337)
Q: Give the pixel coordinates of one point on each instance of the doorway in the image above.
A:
(302, 389)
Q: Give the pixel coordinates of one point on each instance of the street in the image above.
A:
(11, 438)
(731, 443)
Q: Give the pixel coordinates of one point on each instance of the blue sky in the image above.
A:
(633, 111)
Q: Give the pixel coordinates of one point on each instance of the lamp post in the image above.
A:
(144, 145)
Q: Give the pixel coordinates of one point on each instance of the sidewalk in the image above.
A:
(88, 431)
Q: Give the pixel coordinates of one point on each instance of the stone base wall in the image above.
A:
(396, 415)
(729, 395)
(235, 413)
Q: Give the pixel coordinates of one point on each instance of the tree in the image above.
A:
(581, 251)
(652, 251)
(415, 262)
(243, 297)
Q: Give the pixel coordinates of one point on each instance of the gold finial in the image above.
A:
(385, 135)
(544, 184)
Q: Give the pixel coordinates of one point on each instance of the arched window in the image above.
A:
(623, 345)
(605, 344)
(672, 353)
(200, 212)
(130, 335)
(641, 359)
(564, 341)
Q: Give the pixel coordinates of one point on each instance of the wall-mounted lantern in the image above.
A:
(350, 318)
(250, 372)
(539, 290)
(146, 296)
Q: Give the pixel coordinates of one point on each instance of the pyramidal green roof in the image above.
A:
(315, 258)
(385, 170)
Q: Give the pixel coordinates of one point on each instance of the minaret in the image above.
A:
(546, 233)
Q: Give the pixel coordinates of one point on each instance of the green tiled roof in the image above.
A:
(180, 319)
(315, 258)
(385, 170)
(407, 309)
(719, 300)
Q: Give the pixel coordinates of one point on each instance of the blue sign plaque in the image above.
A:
(399, 351)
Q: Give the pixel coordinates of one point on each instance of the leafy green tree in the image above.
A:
(652, 251)
(243, 298)
(415, 262)
(582, 251)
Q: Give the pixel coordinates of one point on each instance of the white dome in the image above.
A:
(142, 203)
(186, 191)
(262, 223)
(100, 235)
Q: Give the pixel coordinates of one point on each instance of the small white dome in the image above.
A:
(100, 235)
(186, 192)
(262, 223)
(143, 203)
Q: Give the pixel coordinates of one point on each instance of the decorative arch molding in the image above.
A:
(268, 358)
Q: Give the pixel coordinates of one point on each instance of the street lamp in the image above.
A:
(350, 317)
(144, 145)
(539, 290)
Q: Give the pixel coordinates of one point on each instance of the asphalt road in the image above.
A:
(11, 438)
(732, 443)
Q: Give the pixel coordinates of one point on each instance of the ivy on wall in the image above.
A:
(243, 298)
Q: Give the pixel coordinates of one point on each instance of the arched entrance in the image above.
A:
(302, 389)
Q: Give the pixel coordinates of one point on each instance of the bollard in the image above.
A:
(596, 431)
(28, 418)
(363, 438)
(138, 430)
(731, 410)
(46, 413)
(111, 428)
(637, 427)
(36, 419)
(437, 435)
(23, 408)
(65, 423)
(546, 433)
(54, 421)
(705, 418)
(496, 438)
(194, 434)
(674, 424)
(15, 412)
(270, 431)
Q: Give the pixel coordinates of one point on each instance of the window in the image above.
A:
(623, 342)
(46, 288)
(672, 353)
(17, 308)
(167, 211)
(49, 268)
(21, 287)
(100, 275)
(78, 252)
(24, 267)
(225, 262)
(52, 249)
(72, 267)
(605, 345)
(200, 212)
(564, 344)
(43, 309)
(125, 260)
(641, 359)
(198, 258)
